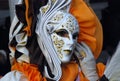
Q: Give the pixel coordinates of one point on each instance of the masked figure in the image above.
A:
(45, 43)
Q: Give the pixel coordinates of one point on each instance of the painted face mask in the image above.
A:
(64, 34)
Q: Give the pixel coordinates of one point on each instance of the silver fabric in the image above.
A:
(44, 39)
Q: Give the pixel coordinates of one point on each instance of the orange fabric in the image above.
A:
(98, 36)
(31, 71)
(90, 27)
(82, 77)
(28, 18)
(69, 72)
(100, 69)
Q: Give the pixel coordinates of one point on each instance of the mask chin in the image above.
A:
(66, 56)
(66, 59)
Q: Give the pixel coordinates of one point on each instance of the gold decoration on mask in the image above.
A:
(45, 8)
(53, 1)
(83, 54)
(58, 44)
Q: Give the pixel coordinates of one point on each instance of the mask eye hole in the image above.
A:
(62, 33)
(75, 35)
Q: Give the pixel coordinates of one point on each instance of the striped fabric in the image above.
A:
(24, 28)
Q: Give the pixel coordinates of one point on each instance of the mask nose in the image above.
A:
(70, 41)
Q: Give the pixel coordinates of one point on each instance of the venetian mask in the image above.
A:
(64, 34)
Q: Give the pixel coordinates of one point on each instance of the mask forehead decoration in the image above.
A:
(62, 19)
(50, 19)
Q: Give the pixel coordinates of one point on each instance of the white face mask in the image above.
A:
(64, 37)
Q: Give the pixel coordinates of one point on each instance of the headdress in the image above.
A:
(50, 17)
